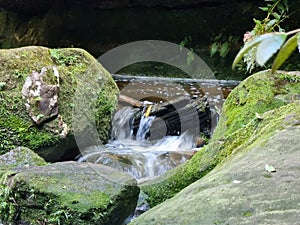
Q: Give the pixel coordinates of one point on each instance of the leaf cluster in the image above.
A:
(277, 12)
(267, 37)
(267, 45)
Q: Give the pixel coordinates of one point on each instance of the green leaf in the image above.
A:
(265, 9)
(298, 42)
(285, 52)
(224, 49)
(271, 23)
(269, 46)
(249, 45)
(213, 49)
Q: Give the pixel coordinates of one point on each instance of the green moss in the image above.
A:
(55, 197)
(20, 157)
(75, 67)
(252, 110)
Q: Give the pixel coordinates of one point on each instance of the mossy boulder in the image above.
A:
(247, 115)
(82, 84)
(67, 193)
(241, 190)
(20, 157)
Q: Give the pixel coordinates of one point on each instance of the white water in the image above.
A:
(137, 156)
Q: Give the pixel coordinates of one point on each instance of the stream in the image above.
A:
(147, 156)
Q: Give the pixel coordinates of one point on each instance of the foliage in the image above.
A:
(267, 37)
(266, 45)
(277, 12)
(7, 204)
(185, 43)
(222, 43)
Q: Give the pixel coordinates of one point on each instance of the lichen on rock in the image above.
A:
(41, 97)
(20, 157)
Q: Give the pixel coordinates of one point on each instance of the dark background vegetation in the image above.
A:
(98, 26)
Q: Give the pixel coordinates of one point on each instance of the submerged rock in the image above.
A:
(67, 193)
(275, 97)
(49, 95)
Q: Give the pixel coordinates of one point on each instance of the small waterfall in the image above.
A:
(144, 127)
(135, 155)
(122, 123)
(132, 150)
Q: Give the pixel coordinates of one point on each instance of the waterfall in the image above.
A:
(144, 127)
(135, 155)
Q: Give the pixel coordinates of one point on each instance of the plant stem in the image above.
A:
(293, 31)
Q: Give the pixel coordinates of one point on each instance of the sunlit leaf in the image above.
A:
(265, 9)
(249, 45)
(271, 23)
(269, 46)
(285, 51)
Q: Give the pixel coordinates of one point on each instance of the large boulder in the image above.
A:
(50, 95)
(241, 190)
(253, 111)
(66, 193)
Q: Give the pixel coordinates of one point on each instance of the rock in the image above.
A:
(68, 193)
(240, 191)
(51, 95)
(40, 96)
(20, 157)
(237, 129)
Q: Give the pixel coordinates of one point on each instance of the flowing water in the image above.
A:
(138, 155)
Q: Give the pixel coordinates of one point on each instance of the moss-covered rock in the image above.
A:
(20, 157)
(77, 70)
(248, 114)
(241, 190)
(67, 193)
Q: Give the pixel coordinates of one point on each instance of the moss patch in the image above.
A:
(67, 193)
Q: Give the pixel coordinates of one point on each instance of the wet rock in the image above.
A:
(68, 193)
(44, 110)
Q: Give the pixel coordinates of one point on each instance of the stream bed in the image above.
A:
(140, 155)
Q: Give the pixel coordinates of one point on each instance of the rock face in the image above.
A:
(240, 191)
(50, 95)
(67, 193)
(259, 128)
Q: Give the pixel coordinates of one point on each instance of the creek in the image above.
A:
(150, 152)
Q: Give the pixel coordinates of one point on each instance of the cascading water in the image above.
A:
(135, 155)
(131, 151)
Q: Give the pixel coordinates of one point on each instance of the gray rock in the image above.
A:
(20, 157)
(68, 193)
(240, 191)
